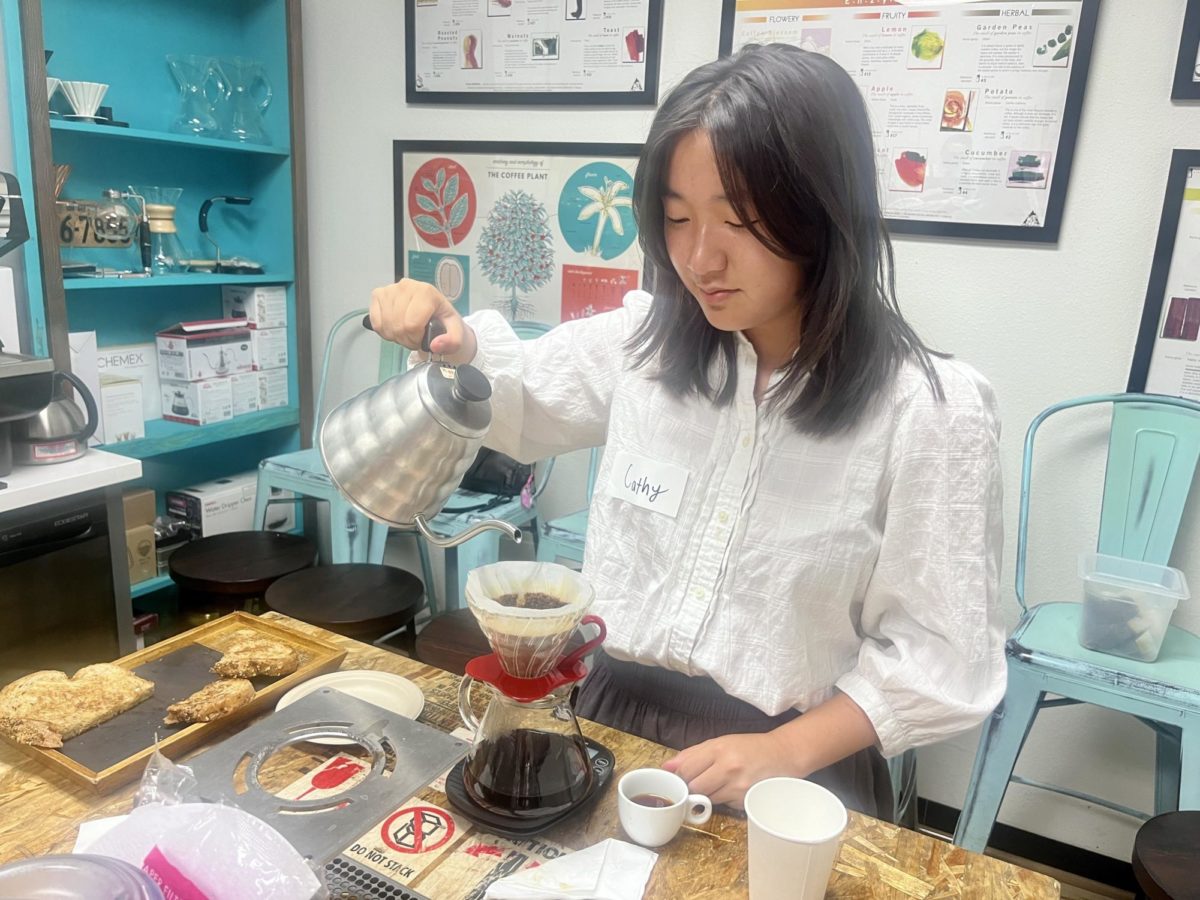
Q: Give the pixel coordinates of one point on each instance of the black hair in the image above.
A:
(793, 145)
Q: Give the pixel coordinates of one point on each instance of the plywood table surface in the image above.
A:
(41, 812)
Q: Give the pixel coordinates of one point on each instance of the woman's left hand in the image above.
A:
(724, 768)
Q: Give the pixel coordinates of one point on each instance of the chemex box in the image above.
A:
(259, 306)
(197, 402)
(191, 351)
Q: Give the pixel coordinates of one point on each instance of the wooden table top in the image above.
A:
(41, 813)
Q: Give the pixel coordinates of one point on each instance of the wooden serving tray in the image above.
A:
(115, 752)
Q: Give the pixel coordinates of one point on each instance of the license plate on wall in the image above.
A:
(77, 227)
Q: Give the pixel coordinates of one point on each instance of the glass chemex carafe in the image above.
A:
(167, 255)
(200, 87)
(529, 759)
(248, 94)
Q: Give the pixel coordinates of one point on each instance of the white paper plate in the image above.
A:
(384, 689)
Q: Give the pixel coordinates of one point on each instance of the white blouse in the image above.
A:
(866, 562)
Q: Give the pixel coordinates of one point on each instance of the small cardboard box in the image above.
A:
(197, 402)
(191, 351)
(139, 551)
(138, 505)
(244, 388)
(272, 388)
(269, 348)
(121, 400)
(260, 306)
(83, 365)
(138, 361)
(227, 504)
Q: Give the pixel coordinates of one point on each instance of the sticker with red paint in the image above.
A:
(483, 859)
(331, 777)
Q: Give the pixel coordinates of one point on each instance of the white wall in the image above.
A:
(1043, 323)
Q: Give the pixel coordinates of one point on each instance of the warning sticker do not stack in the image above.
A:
(408, 841)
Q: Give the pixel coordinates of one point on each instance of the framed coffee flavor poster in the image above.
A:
(533, 51)
(536, 231)
(1166, 359)
(974, 105)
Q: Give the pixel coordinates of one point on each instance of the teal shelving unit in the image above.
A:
(124, 43)
(143, 135)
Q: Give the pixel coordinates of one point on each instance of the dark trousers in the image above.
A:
(679, 711)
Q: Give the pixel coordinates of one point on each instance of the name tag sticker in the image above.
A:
(648, 483)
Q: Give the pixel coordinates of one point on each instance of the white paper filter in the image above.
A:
(528, 642)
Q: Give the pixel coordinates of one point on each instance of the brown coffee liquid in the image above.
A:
(652, 800)
(528, 774)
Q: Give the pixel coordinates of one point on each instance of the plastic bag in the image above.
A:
(204, 851)
(166, 783)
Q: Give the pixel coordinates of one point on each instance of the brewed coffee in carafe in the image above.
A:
(533, 771)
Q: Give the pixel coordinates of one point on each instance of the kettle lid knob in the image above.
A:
(471, 385)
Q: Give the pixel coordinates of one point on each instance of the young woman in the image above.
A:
(820, 591)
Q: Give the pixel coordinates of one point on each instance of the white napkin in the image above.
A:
(610, 870)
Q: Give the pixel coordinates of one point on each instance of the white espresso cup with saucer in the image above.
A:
(653, 805)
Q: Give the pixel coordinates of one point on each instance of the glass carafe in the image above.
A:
(529, 759)
(200, 87)
(167, 255)
(247, 97)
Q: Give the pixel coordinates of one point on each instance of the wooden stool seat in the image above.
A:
(450, 641)
(239, 565)
(1166, 856)
(364, 601)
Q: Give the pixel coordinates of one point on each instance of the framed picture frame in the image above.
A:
(975, 106)
(593, 52)
(1186, 85)
(537, 231)
(1166, 357)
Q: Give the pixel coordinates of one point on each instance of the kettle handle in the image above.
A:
(433, 328)
(89, 405)
(465, 712)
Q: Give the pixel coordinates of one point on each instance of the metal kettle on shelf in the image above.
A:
(59, 432)
(398, 450)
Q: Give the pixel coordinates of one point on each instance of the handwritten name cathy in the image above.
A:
(641, 486)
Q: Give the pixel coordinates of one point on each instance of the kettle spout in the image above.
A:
(511, 531)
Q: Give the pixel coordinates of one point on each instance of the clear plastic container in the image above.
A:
(76, 876)
(1127, 605)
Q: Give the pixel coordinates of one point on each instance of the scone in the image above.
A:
(250, 654)
(211, 702)
(44, 707)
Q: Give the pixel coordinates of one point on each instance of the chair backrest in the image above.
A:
(1153, 446)
(527, 331)
(593, 468)
(392, 359)
(353, 316)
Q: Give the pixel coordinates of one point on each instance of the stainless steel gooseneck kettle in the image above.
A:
(398, 450)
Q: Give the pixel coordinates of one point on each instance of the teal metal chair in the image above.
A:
(353, 536)
(1154, 443)
(484, 549)
(563, 538)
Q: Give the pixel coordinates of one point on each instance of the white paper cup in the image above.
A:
(653, 826)
(795, 829)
